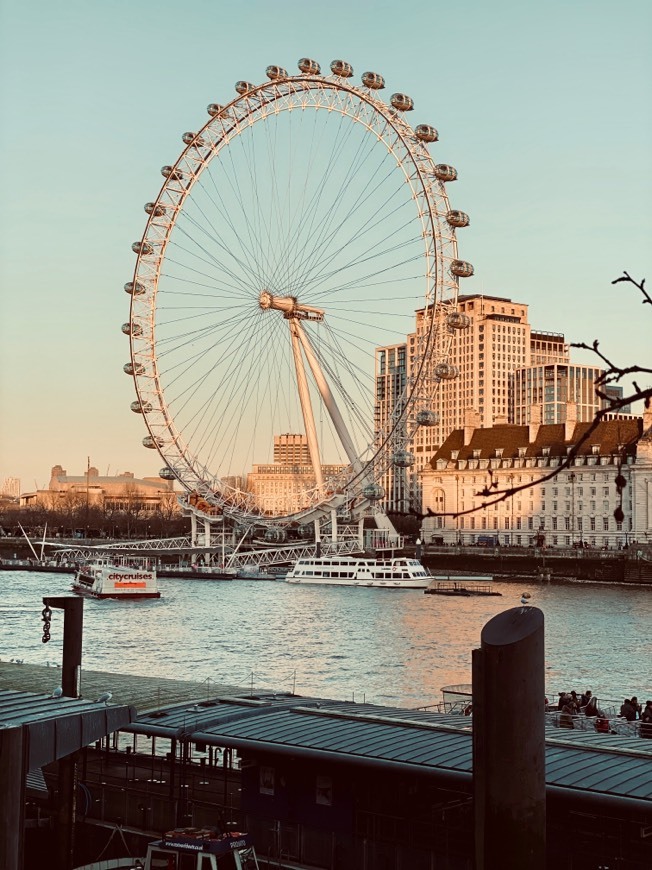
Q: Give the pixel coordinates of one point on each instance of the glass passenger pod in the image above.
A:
(171, 173)
(341, 68)
(275, 535)
(214, 109)
(461, 269)
(373, 81)
(446, 371)
(373, 491)
(403, 459)
(402, 103)
(155, 209)
(457, 320)
(426, 133)
(131, 369)
(139, 407)
(152, 443)
(142, 248)
(309, 67)
(134, 288)
(456, 218)
(426, 417)
(445, 173)
(243, 87)
(276, 72)
(167, 473)
(193, 139)
(132, 329)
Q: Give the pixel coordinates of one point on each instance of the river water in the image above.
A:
(384, 646)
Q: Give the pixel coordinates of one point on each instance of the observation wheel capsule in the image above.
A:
(446, 371)
(373, 81)
(133, 369)
(445, 173)
(142, 248)
(167, 474)
(152, 443)
(461, 269)
(458, 320)
(426, 417)
(172, 173)
(341, 68)
(132, 329)
(456, 218)
(373, 491)
(243, 87)
(275, 535)
(402, 102)
(276, 72)
(155, 209)
(426, 133)
(309, 67)
(214, 109)
(139, 407)
(193, 139)
(134, 288)
(403, 459)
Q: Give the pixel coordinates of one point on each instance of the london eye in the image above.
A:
(304, 226)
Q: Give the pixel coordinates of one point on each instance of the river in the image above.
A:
(384, 646)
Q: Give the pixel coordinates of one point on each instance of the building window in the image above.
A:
(605, 524)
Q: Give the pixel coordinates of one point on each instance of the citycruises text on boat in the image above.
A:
(109, 576)
(398, 573)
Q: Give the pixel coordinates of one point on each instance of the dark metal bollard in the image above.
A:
(509, 742)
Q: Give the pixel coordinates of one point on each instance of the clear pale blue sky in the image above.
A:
(545, 110)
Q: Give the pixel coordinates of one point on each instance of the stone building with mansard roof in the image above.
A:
(574, 507)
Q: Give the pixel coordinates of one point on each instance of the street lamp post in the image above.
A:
(571, 477)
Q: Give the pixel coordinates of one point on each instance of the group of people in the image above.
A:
(570, 704)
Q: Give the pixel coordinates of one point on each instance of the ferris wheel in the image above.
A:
(303, 228)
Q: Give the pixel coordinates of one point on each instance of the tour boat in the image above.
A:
(121, 577)
(348, 571)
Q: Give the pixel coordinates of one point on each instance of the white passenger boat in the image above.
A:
(109, 576)
(348, 571)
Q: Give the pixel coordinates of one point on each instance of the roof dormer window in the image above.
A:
(476, 453)
(595, 449)
(522, 451)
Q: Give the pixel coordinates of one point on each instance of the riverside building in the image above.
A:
(505, 368)
(575, 507)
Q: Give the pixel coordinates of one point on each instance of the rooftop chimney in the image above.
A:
(535, 422)
(571, 420)
(472, 421)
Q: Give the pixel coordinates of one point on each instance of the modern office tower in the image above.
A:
(554, 388)
(291, 449)
(559, 390)
(548, 348)
(11, 487)
(280, 486)
(391, 378)
(495, 343)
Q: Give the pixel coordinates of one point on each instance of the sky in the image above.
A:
(544, 109)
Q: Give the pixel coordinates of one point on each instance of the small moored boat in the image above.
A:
(109, 576)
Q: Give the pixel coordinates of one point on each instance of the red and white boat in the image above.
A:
(124, 577)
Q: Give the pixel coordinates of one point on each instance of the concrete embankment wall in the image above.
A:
(585, 566)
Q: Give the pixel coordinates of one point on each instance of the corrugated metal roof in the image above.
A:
(59, 726)
(598, 764)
